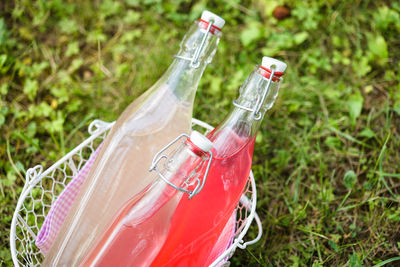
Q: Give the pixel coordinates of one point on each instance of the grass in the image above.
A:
(327, 155)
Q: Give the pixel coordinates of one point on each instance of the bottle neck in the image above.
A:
(183, 167)
(183, 75)
(179, 169)
(184, 160)
(256, 97)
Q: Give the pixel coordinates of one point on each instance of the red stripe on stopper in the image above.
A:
(267, 73)
(204, 25)
(195, 149)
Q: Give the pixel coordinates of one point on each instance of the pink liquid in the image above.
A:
(197, 223)
(137, 233)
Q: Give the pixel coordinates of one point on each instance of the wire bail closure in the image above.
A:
(194, 61)
(256, 111)
(199, 185)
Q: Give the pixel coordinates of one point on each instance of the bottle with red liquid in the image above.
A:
(198, 222)
(141, 226)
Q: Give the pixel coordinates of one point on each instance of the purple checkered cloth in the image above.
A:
(59, 210)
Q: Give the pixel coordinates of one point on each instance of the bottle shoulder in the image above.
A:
(228, 144)
(152, 112)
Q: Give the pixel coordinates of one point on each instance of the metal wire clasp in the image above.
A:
(199, 184)
(256, 111)
(194, 61)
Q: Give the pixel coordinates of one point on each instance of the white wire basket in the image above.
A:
(43, 186)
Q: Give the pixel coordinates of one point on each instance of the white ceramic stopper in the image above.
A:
(267, 62)
(201, 141)
(218, 21)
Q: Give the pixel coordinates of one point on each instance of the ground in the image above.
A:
(327, 156)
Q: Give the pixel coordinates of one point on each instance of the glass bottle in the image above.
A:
(197, 223)
(121, 168)
(140, 227)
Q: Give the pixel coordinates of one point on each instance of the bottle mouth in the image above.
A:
(198, 143)
(195, 149)
(204, 25)
(266, 73)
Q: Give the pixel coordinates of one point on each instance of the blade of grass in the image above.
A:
(29, 141)
(311, 232)
(78, 127)
(386, 262)
(394, 175)
(380, 161)
(358, 204)
(348, 137)
(12, 162)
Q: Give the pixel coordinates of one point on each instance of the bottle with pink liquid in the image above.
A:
(198, 222)
(140, 227)
(120, 171)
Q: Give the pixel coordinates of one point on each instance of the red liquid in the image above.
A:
(197, 223)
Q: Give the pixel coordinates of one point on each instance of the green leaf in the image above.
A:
(30, 88)
(133, 3)
(236, 80)
(72, 49)
(361, 66)
(394, 217)
(396, 105)
(355, 105)
(3, 32)
(109, 7)
(38, 111)
(295, 260)
(250, 34)
(75, 64)
(354, 261)
(2, 119)
(316, 263)
(131, 17)
(61, 93)
(386, 16)
(68, 25)
(129, 36)
(350, 179)
(55, 125)
(31, 129)
(3, 59)
(397, 109)
(122, 69)
(25, 33)
(96, 36)
(38, 68)
(11, 177)
(378, 47)
(333, 245)
(3, 114)
(215, 85)
(259, 138)
(300, 37)
(4, 67)
(335, 237)
(333, 141)
(367, 132)
(270, 51)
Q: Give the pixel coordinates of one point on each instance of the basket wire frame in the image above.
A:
(43, 186)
